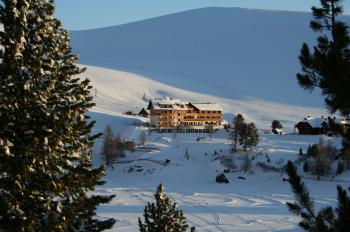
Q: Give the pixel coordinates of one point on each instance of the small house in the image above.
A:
(313, 126)
(143, 113)
(277, 131)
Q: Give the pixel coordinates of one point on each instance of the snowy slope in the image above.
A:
(257, 204)
(119, 91)
(224, 52)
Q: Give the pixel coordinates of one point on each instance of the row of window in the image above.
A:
(185, 111)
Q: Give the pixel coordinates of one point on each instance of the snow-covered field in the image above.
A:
(255, 204)
(118, 92)
(244, 60)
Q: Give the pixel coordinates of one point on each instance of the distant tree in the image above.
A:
(243, 136)
(327, 219)
(252, 136)
(238, 126)
(109, 149)
(163, 215)
(276, 125)
(322, 160)
(301, 151)
(309, 150)
(248, 136)
(326, 66)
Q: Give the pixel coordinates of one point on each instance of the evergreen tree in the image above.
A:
(163, 215)
(243, 136)
(327, 67)
(327, 219)
(109, 146)
(238, 124)
(45, 140)
(276, 125)
(300, 151)
(309, 150)
(252, 136)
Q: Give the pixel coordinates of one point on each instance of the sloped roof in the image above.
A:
(315, 122)
(207, 106)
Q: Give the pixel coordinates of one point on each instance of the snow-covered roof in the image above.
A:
(278, 130)
(207, 106)
(170, 101)
(316, 122)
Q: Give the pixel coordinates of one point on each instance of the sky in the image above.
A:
(87, 14)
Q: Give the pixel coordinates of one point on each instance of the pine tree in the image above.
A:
(327, 66)
(301, 151)
(327, 219)
(45, 140)
(276, 125)
(252, 136)
(238, 124)
(243, 136)
(163, 215)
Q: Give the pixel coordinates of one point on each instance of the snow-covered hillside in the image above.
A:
(256, 204)
(119, 91)
(225, 52)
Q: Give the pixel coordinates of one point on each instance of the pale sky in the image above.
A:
(84, 14)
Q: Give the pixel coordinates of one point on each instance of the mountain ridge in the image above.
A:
(227, 52)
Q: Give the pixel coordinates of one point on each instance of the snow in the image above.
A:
(205, 55)
(207, 106)
(118, 92)
(315, 122)
(255, 204)
(223, 52)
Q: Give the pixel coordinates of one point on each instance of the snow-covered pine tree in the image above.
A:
(163, 215)
(45, 140)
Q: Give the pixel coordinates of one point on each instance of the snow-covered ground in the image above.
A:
(244, 60)
(118, 92)
(255, 204)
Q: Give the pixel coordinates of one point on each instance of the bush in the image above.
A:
(222, 179)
